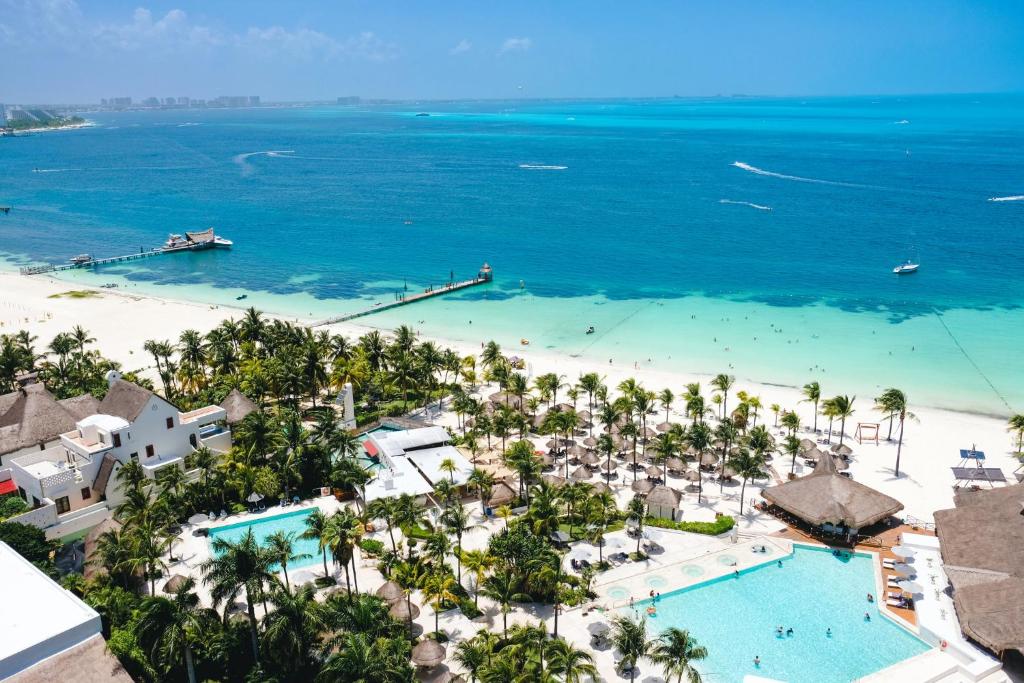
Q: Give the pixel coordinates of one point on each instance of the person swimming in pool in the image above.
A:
(828, 633)
(789, 631)
(757, 661)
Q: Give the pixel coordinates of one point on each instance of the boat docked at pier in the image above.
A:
(204, 239)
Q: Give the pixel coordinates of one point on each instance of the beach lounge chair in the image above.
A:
(888, 563)
(895, 603)
(893, 583)
(894, 595)
(213, 516)
(223, 514)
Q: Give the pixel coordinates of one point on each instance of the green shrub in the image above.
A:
(719, 526)
(11, 506)
(372, 546)
(470, 610)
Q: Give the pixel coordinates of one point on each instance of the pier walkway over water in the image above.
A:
(484, 276)
(51, 268)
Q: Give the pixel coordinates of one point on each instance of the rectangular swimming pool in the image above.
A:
(289, 522)
(812, 592)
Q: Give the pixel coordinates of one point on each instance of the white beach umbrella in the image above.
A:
(905, 568)
(598, 628)
(911, 586)
(616, 543)
(653, 534)
(902, 551)
(197, 518)
(580, 552)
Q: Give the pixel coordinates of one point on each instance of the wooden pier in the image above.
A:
(195, 241)
(483, 277)
(52, 268)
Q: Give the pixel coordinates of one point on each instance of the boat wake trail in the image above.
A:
(248, 169)
(542, 167)
(56, 170)
(783, 176)
(1013, 198)
(759, 207)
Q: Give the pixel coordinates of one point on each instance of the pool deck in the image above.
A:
(706, 558)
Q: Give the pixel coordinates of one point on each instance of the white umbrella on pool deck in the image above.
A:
(911, 586)
(598, 628)
(616, 543)
(254, 497)
(197, 518)
(902, 551)
(904, 568)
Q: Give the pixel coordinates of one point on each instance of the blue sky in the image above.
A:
(68, 51)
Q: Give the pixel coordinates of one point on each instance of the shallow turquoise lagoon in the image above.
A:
(289, 522)
(813, 591)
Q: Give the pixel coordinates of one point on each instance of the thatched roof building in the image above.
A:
(826, 497)
(237, 406)
(982, 545)
(502, 493)
(663, 501)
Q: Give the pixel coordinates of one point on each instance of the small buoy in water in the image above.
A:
(522, 284)
(524, 341)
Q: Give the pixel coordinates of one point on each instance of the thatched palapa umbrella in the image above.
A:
(590, 442)
(691, 475)
(609, 466)
(841, 449)
(501, 494)
(708, 459)
(553, 480)
(174, 583)
(428, 653)
(403, 610)
(807, 444)
(675, 464)
(643, 486)
(590, 459)
(664, 427)
(582, 474)
(654, 472)
(390, 592)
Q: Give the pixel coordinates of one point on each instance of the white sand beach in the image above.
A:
(122, 322)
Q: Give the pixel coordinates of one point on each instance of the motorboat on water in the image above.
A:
(906, 268)
(81, 259)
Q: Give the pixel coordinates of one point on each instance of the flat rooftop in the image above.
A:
(393, 444)
(40, 619)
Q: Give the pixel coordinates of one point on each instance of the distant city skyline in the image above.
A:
(65, 51)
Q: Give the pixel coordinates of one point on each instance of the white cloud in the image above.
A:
(462, 46)
(515, 45)
(61, 24)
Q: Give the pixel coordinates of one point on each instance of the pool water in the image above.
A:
(736, 619)
(289, 522)
(365, 459)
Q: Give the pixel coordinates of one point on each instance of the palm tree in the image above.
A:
(812, 394)
(236, 567)
(483, 482)
(843, 406)
(748, 466)
(1016, 424)
(292, 630)
(316, 530)
(569, 662)
(472, 655)
(438, 588)
(477, 563)
(776, 409)
(281, 547)
(637, 511)
(169, 629)
(629, 637)
(675, 650)
(723, 383)
(503, 588)
(895, 402)
(360, 658)
(699, 439)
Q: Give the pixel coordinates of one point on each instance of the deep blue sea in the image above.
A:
(755, 235)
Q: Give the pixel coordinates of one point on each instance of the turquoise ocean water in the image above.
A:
(649, 220)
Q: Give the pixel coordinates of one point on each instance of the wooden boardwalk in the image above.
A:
(156, 251)
(404, 300)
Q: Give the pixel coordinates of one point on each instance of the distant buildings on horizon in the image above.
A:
(224, 101)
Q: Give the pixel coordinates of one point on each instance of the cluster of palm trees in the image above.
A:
(674, 650)
(527, 652)
(68, 366)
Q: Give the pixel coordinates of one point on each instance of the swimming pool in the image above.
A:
(736, 619)
(369, 462)
(289, 522)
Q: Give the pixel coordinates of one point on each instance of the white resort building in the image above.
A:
(46, 631)
(69, 478)
(411, 462)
